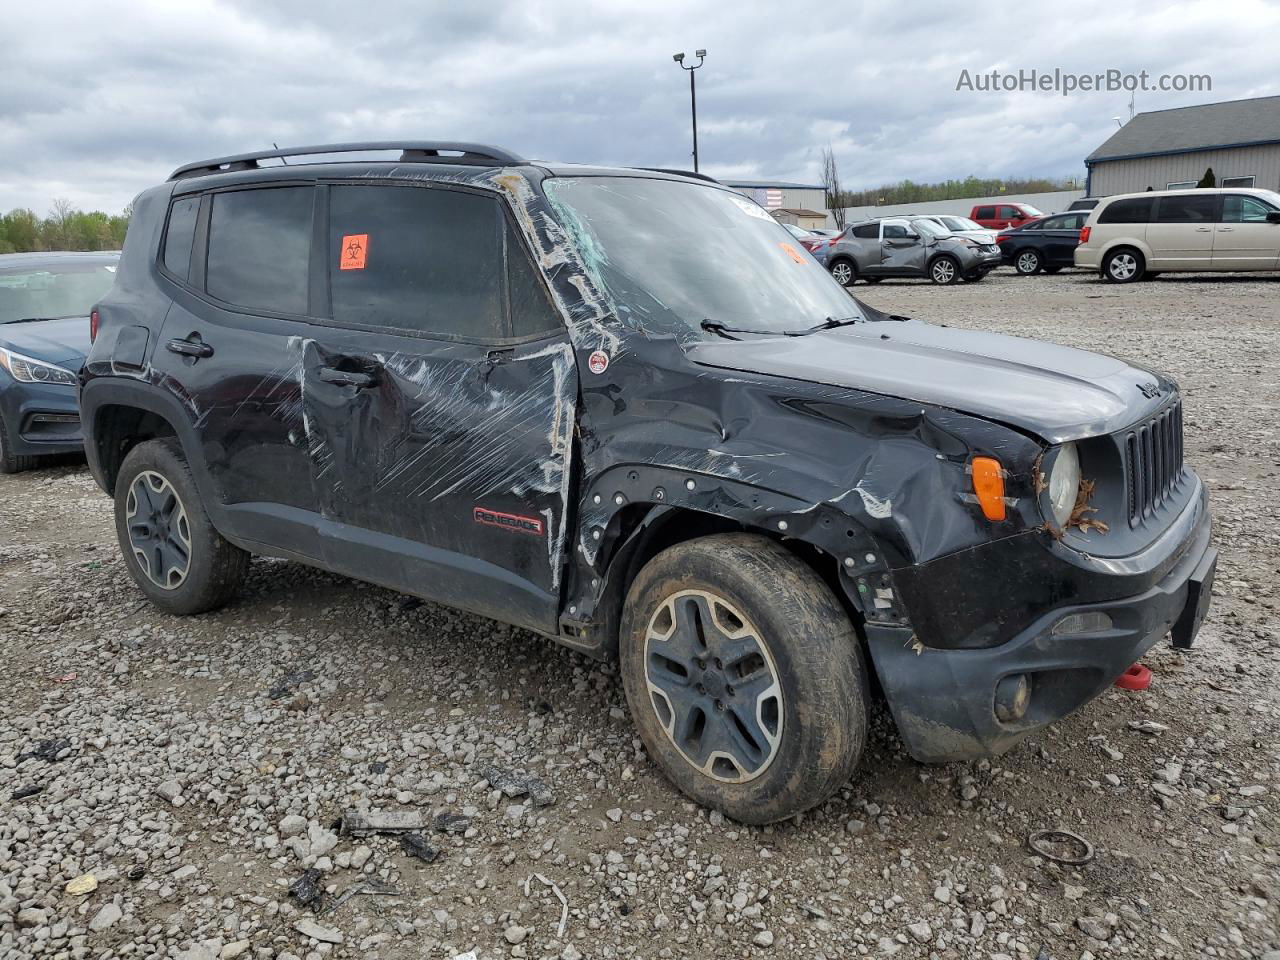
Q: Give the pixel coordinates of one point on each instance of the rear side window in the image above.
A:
(1241, 209)
(259, 248)
(178, 236)
(985, 213)
(867, 231)
(1131, 210)
(417, 258)
(1188, 208)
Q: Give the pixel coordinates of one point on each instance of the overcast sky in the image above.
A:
(99, 100)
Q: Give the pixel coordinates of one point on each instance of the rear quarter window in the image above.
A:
(1129, 210)
(179, 236)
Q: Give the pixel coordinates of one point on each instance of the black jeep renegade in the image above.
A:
(620, 408)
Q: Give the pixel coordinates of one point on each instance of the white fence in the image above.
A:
(1048, 202)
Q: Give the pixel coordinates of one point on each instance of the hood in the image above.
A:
(1056, 393)
(53, 341)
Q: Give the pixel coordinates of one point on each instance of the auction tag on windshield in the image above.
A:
(792, 252)
(355, 247)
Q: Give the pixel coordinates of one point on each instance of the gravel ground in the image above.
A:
(196, 768)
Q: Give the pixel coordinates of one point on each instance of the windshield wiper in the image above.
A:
(720, 330)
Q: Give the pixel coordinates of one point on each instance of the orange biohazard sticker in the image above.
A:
(355, 248)
(792, 252)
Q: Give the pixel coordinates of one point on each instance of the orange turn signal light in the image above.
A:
(988, 485)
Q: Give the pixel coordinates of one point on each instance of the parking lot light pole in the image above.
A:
(693, 96)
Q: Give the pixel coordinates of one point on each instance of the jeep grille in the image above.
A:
(1153, 461)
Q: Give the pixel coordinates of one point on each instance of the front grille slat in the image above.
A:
(1153, 461)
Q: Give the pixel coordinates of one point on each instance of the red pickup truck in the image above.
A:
(997, 216)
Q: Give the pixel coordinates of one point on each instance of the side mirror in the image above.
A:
(1273, 216)
(1019, 216)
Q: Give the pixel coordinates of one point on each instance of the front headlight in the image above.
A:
(1064, 482)
(29, 370)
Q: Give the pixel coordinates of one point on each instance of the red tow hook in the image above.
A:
(1137, 677)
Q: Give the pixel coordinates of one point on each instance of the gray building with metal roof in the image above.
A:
(1171, 149)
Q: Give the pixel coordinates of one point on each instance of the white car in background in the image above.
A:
(959, 226)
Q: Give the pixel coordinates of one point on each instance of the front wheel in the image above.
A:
(1028, 262)
(744, 676)
(1123, 266)
(944, 270)
(170, 547)
(11, 462)
(844, 272)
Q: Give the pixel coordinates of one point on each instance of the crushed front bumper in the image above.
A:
(944, 701)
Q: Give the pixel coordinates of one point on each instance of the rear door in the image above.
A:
(987, 217)
(1181, 232)
(901, 249)
(1244, 239)
(237, 265)
(441, 400)
(1060, 234)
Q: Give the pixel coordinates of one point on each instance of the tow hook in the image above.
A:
(1137, 677)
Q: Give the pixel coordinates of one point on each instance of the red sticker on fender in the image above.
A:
(598, 362)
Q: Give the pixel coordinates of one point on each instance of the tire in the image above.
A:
(844, 271)
(1151, 275)
(806, 677)
(976, 276)
(1123, 265)
(944, 270)
(873, 279)
(1028, 262)
(11, 462)
(1052, 270)
(159, 516)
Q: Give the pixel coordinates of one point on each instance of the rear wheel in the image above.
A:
(11, 462)
(1028, 262)
(944, 270)
(845, 273)
(170, 547)
(1124, 265)
(744, 676)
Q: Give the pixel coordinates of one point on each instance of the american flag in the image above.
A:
(772, 198)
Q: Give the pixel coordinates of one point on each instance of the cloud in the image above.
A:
(98, 101)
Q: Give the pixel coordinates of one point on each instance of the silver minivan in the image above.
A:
(1136, 235)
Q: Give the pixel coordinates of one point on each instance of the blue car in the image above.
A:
(45, 299)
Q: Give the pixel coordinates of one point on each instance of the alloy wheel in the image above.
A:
(842, 272)
(944, 271)
(713, 686)
(159, 533)
(1028, 263)
(1123, 266)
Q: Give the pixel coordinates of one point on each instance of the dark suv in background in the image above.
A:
(622, 409)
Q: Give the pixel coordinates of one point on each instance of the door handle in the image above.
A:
(345, 378)
(1225, 229)
(1202, 229)
(189, 348)
(500, 354)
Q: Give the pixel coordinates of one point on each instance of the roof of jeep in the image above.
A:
(418, 160)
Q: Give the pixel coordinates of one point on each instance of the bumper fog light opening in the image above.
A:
(1013, 696)
(1090, 621)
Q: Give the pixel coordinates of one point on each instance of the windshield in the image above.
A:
(961, 223)
(929, 228)
(672, 255)
(52, 291)
(1031, 211)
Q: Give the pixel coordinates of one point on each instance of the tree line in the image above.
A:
(908, 191)
(65, 228)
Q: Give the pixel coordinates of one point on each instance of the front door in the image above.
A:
(441, 402)
(1061, 237)
(901, 249)
(1244, 239)
(1180, 233)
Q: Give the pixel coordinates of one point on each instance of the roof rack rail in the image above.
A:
(412, 151)
(679, 173)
